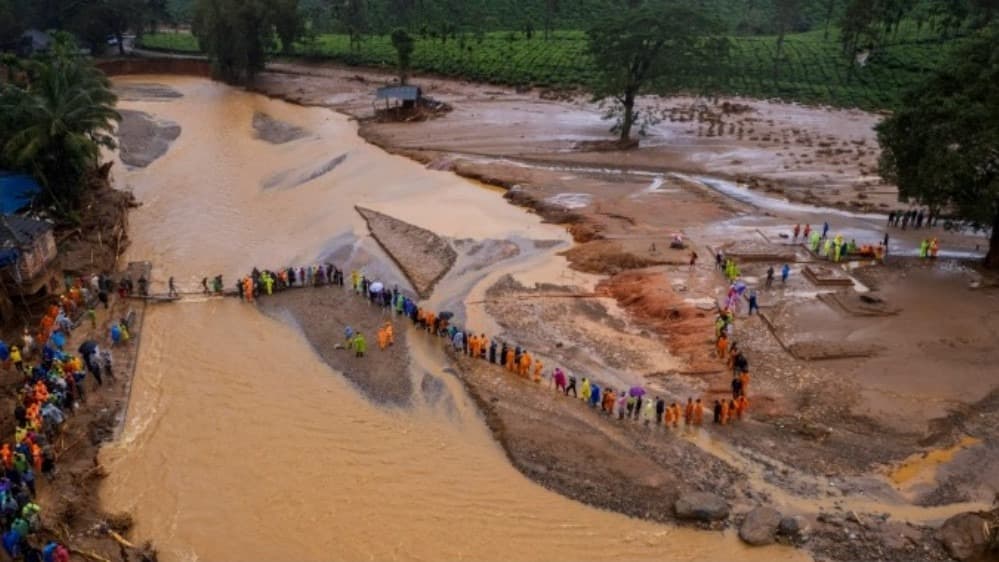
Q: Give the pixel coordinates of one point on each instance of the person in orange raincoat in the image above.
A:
(698, 412)
(36, 457)
(676, 414)
(483, 346)
(721, 346)
(525, 364)
(608, 402)
(724, 412)
(668, 416)
(688, 412)
(538, 365)
(508, 360)
(741, 406)
(744, 379)
(7, 456)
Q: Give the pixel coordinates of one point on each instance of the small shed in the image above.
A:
(407, 96)
(27, 250)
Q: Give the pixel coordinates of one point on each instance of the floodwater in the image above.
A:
(241, 445)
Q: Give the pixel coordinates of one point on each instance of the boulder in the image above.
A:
(701, 506)
(760, 526)
(966, 536)
(794, 527)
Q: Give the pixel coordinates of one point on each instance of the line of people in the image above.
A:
(913, 218)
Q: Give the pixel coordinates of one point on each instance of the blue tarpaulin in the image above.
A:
(16, 191)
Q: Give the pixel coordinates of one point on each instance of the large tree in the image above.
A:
(786, 14)
(236, 35)
(403, 44)
(942, 147)
(287, 23)
(636, 46)
(55, 120)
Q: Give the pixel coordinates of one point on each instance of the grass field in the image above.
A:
(814, 71)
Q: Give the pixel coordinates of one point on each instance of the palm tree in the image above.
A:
(58, 124)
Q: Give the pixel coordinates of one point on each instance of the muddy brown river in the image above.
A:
(240, 444)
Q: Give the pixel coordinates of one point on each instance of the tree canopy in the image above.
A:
(942, 148)
(634, 47)
(403, 45)
(237, 34)
(55, 116)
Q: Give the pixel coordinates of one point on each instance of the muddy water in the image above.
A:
(241, 445)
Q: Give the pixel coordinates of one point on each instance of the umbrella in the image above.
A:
(376, 287)
(636, 391)
(87, 347)
(445, 315)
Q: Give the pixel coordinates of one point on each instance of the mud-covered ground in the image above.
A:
(875, 450)
(322, 314)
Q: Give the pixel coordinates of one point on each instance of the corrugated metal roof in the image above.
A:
(405, 93)
(18, 231)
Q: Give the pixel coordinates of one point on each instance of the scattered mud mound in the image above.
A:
(322, 315)
(143, 139)
(422, 255)
(607, 257)
(146, 92)
(102, 235)
(821, 350)
(289, 179)
(269, 129)
(649, 298)
(479, 254)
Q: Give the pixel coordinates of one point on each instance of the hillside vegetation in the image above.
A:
(815, 70)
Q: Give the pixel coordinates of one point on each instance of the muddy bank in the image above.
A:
(143, 139)
(566, 446)
(274, 131)
(422, 255)
(322, 314)
(186, 66)
(71, 510)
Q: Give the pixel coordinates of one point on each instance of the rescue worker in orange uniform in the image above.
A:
(688, 412)
(538, 365)
(698, 412)
(724, 412)
(721, 346)
(676, 414)
(508, 360)
(741, 406)
(525, 364)
(744, 379)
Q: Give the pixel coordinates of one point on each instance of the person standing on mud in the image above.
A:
(785, 272)
(770, 277)
(660, 408)
(492, 352)
(693, 260)
(719, 260)
(172, 288)
(753, 302)
(572, 387)
(638, 406)
(359, 344)
(718, 411)
(825, 230)
(797, 230)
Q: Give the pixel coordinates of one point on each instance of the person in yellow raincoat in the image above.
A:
(585, 390)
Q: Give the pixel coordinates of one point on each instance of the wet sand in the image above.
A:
(322, 313)
(143, 139)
